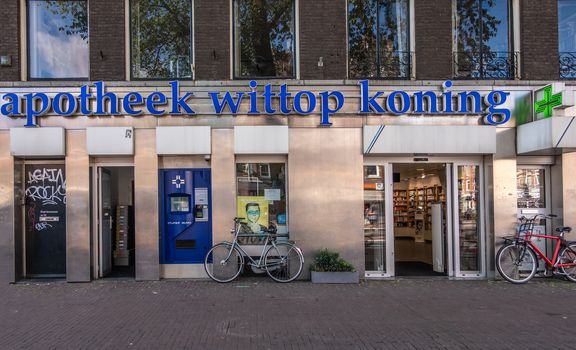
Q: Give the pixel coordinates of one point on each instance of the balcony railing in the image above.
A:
(486, 65)
(567, 65)
(388, 65)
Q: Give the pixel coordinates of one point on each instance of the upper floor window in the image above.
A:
(264, 37)
(161, 39)
(58, 39)
(482, 32)
(378, 39)
(567, 38)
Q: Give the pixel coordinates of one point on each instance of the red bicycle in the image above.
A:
(517, 260)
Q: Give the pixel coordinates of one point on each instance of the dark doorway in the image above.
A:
(419, 199)
(45, 220)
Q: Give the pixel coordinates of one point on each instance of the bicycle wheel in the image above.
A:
(567, 256)
(516, 263)
(283, 262)
(223, 263)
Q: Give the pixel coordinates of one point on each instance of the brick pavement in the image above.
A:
(254, 313)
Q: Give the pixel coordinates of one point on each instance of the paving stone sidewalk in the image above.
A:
(255, 313)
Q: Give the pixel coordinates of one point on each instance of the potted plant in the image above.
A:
(329, 267)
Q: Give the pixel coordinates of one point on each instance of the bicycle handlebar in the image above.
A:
(532, 219)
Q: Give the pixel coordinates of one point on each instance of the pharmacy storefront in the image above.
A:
(115, 180)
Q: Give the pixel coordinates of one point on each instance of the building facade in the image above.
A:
(407, 135)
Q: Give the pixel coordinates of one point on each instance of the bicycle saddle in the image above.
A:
(566, 229)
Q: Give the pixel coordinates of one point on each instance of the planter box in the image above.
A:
(335, 277)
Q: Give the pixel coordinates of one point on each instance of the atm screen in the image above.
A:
(180, 204)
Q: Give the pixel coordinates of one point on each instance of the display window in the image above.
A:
(55, 29)
(264, 37)
(374, 218)
(530, 188)
(161, 39)
(261, 200)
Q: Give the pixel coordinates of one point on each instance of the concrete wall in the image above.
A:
(7, 251)
(569, 191)
(146, 208)
(504, 195)
(223, 184)
(77, 208)
(325, 185)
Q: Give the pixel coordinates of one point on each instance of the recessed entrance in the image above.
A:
(424, 218)
(419, 200)
(114, 189)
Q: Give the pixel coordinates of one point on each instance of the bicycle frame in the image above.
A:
(252, 262)
(550, 262)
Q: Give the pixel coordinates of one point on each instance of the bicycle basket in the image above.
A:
(524, 228)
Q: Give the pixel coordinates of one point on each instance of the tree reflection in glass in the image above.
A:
(161, 39)
(58, 39)
(378, 39)
(264, 38)
(482, 39)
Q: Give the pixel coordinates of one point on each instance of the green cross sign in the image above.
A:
(548, 103)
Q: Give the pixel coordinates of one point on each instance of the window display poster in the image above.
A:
(272, 194)
(255, 210)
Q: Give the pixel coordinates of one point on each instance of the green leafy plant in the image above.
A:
(327, 261)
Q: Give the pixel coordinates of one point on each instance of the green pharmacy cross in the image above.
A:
(548, 103)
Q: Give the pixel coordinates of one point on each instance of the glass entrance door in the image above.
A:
(457, 206)
(469, 238)
(377, 233)
(532, 192)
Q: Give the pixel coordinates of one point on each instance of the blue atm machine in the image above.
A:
(185, 215)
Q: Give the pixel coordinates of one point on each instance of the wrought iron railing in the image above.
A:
(395, 65)
(567, 65)
(486, 65)
(389, 65)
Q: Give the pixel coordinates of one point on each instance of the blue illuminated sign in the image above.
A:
(329, 103)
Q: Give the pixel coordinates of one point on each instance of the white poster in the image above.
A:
(272, 194)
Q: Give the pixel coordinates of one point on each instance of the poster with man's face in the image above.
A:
(255, 211)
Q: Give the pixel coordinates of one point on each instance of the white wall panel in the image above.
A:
(110, 141)
(183, 140)
(261, 139)
(429, 139)
(37, 142)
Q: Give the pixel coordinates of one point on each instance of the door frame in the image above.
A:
(457, 272)
(101, 170)
(22, 163)
(96, 245)
(388, 221)
(451, 211)
(528, 212)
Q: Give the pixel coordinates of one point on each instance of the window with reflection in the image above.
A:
(378, 39)
(161, 39)
(264, 37)
(469, 217)
(567, 38)
(530, 188)
(261, 200)
(374, 219)
(58, 39)
(482, 32)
